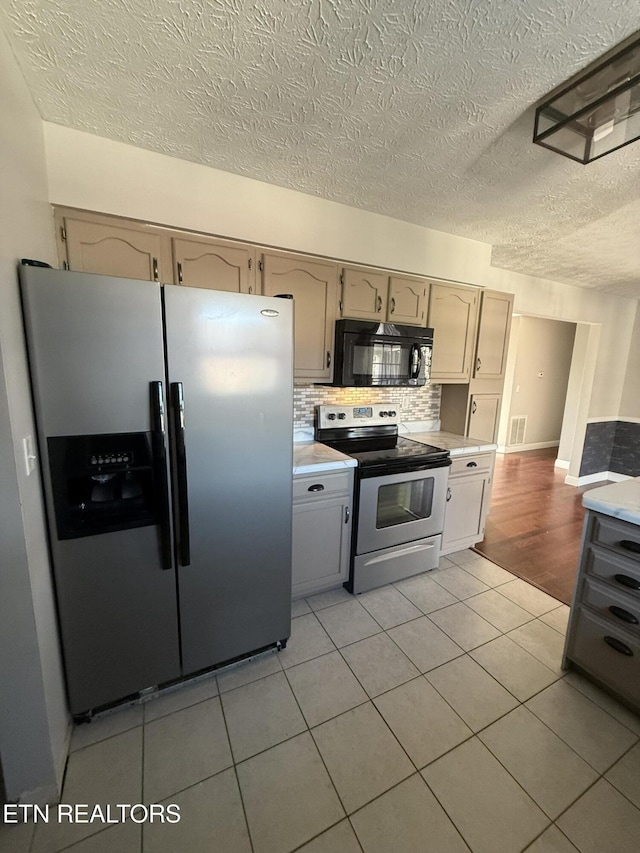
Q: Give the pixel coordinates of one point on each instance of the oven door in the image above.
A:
(398, 508)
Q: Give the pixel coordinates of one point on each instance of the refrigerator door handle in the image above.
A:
(177, 407)
(159, 449)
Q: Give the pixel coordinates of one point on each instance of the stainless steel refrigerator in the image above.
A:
(164, 420)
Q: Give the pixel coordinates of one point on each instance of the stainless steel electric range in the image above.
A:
(400, 493)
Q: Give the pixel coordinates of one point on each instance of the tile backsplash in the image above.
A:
(413, 404)
(611, 446)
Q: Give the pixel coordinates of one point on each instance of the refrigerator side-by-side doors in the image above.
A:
(229, 360)
(97, 366)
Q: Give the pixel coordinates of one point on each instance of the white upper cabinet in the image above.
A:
(122, 249)
(314, 286)
(214, 264)
(373, 295)
(453, 312)
(408, 300)
(364, 293)
(496, 309)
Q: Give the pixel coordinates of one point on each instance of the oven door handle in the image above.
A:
(416, 361)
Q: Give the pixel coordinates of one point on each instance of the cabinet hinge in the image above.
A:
(250, 262)
(340, 306)
(260, 266)
(63, 234)
(341, 278)
(65, 265)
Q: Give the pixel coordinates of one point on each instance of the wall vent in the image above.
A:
(517, 429)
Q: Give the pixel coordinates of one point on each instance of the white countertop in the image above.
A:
(309, 457)
(621, 500)
(457, 445)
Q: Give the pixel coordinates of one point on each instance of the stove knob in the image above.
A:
(392, 414)
(341, 416)
(383, 414)
(331, 416)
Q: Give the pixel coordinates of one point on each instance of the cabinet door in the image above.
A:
(119, 250)
(408, 300)
(320, 545)
(314, 287)
(484, 410)
(452, 314)
(214, 265)
(465, 512)
(493, 334)
(364, 294)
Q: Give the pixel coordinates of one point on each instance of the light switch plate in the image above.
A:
(29, 454)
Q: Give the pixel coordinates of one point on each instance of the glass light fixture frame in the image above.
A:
(560, 121)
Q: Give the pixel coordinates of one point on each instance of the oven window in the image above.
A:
(399, 503)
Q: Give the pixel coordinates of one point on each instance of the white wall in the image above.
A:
(543, 347)
(33, 714)
(615, 314)
(630, 405)
(97, 174)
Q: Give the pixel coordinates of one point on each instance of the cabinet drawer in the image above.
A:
(621, 537)
(623, 611)
(322, 485)
(610, 654)
(622, 573)
(470, 464)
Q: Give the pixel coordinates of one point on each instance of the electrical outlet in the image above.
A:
(29, 454)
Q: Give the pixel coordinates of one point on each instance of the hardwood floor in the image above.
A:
(535, 521)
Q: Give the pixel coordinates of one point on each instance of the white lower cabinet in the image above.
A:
(468, 494)
(321, 531)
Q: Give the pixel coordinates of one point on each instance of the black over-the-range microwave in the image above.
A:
(372, 355)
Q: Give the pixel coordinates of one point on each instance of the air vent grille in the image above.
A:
(517, 429)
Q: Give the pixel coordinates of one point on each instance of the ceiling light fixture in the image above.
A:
(597, 113)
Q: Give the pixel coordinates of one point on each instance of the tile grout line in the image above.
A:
(372, 700)
(235, 773)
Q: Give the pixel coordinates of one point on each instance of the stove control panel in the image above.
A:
(356, 416)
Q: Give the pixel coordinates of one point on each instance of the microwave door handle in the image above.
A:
(159, 451)
(416, 361)
(182, 497)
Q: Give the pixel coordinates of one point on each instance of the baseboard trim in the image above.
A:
(599, 477)
(517, 448)
(561, 463)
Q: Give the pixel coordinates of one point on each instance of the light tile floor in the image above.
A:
(429, 716)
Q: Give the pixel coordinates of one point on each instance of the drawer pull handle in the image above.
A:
(317, 487)
(618, 646)
(623, 614)
(472, 464)
(628, 545)
(625, 580)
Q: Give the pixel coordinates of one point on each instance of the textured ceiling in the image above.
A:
(417, 109)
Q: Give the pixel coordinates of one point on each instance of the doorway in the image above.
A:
(535, 517)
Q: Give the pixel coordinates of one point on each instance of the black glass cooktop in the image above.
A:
(392, 452)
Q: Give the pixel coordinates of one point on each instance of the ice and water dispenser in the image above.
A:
(101, 483)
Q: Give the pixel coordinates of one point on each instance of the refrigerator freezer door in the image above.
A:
(233, 355)
(95, 345)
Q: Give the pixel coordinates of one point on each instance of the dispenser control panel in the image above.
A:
(121, 458)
